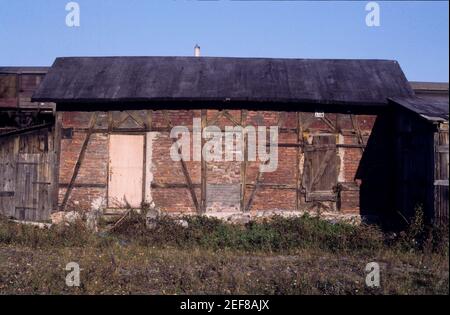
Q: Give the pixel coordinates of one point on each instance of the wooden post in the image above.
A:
(204, 166)
(149, 119)
(110, 122)
(299, 153)
(57, 153)
(244, 162)
(18, 87)
(355, 124)
(252, 195)
(185, 170)
(144, 169)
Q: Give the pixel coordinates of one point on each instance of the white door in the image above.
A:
(126, 162)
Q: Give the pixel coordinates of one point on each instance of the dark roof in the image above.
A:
(431, 110)
(434, 91)
(128, 79)
(24, 70)
(429, 86)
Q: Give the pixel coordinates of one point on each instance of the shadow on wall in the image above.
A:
(376, 172)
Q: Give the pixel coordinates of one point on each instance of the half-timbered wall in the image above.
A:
(319, 168)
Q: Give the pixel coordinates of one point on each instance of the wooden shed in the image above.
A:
(422, 165)
(111, 140)
(26, 146)
(114, 116)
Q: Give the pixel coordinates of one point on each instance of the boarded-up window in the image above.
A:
(321, 171)
(8, 86)
(223, 197)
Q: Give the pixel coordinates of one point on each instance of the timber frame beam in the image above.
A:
(248, 187)
(79, 161)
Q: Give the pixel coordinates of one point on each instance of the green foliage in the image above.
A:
(418, 236)
(277, 235)
(74, 235)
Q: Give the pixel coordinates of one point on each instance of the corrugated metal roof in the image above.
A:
(131, 79)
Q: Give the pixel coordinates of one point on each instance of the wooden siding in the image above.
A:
(441, 175)
(17, 87)
(421, 166)
(26, 175)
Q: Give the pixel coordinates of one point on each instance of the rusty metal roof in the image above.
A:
(136, 79)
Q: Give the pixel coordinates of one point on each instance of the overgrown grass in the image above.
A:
(276, 235)
(302, 255)
(126, 269)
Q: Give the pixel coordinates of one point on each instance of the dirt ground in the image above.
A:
(133, 269)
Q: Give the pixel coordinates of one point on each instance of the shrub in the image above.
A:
(275, 234)
(74, 235)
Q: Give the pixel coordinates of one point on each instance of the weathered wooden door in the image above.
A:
(321, 168)
(33, 184)
(7, 178)
(126, 162)
(26, 176)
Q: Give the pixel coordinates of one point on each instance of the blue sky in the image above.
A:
(33, 32)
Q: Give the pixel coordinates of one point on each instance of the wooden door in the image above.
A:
(26, 187)
(33, 187)
(321, 168)
(7, 177)
(126, 162)
(26, 176)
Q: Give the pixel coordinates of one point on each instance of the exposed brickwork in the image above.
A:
(165, 172)
(273, 199)
(174, 200)
(84, 199)
(349, 201)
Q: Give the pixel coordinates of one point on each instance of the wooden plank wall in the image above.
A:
(26, 175)
(421, 167)
(16, 90)
(441, 196)
(414, 165)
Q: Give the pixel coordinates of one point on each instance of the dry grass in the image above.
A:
(294, 256)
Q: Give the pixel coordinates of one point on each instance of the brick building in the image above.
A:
(109, 146)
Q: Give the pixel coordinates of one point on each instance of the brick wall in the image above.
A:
(169, 191)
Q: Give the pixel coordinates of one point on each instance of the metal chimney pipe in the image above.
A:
(197, 51)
